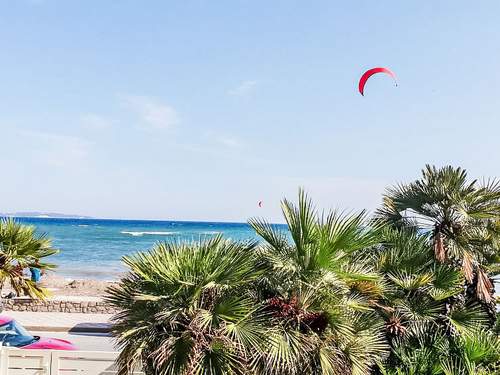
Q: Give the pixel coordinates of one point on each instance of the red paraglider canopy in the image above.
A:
(371, 72)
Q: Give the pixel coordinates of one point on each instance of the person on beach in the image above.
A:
(36, 272)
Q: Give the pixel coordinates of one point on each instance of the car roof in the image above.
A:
(5, 319)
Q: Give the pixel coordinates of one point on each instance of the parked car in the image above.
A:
(15, 335)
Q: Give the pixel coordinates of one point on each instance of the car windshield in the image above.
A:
(13, 334)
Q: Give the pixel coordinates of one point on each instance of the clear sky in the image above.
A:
(199, 109)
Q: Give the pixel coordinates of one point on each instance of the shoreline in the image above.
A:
(93, 249)
(60, 286)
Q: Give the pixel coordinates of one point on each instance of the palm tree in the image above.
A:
(21, 247)
(462, 218)
(286, 307)
(421, 325)
(321, 302)
(473, 354)
(189, 308)
(329, 294)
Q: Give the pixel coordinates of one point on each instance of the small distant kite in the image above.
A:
(371, 72)
(260, 203)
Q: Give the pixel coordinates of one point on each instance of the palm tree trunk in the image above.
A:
(481, 290)
(439, 249)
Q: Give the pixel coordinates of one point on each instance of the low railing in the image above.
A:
(57, 362)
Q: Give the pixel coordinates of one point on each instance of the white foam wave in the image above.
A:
(211, 233)
(138, 234)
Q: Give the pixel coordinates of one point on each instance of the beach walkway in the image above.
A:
(61, 322)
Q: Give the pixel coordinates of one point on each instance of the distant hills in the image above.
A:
(48, 215)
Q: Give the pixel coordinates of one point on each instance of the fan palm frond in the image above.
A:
(21, 247)
(188, 308)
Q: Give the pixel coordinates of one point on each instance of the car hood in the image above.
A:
(49, 343)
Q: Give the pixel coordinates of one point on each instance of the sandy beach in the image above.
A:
(60, 286)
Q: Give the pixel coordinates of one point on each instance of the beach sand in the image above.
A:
(60, 286)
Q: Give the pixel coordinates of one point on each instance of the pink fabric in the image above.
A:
(47, 343)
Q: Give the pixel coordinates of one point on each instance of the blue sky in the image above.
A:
(199, 109)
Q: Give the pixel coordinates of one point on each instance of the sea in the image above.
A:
(93, 248)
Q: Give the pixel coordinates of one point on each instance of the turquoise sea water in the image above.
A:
(92, 248)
